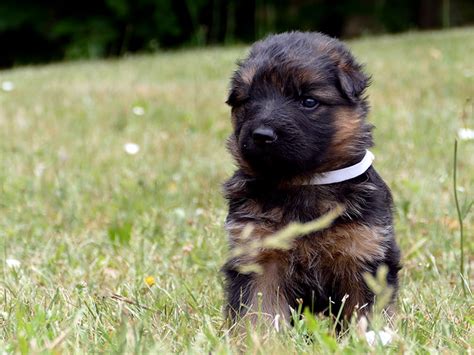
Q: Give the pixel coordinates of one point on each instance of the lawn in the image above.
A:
(106, 246)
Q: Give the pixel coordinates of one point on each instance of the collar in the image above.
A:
(334, 176)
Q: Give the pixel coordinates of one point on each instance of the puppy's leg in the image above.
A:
(269, 296)
(361, 298)
(256, 296)
(238, 289)
(355, 299)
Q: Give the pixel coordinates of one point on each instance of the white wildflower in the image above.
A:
(131, 148)
(7, 86)
(385, 337)
(276, 323)
(180, 212)
(39, 170)
(466, 134)
(138, 110)
(13, 263)
(63, 154)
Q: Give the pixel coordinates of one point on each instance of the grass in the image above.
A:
(89, 222)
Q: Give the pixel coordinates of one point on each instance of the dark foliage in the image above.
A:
(37, 31)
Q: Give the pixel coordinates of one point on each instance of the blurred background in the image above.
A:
(33, 31)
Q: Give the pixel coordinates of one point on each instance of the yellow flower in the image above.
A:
(172, 187)
(150, 281)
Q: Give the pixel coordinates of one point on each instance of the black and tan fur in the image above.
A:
(270, 190)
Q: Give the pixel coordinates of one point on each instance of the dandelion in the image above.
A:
(466, 134)
(7, 86)
(172, 187)
(13, 263)
(149, 281)
(131, 148)
(138, 110)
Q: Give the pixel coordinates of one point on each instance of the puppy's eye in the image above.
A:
(309, 102)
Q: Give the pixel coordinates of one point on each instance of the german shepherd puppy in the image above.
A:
(299, 120)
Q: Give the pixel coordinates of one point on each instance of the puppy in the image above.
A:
(300, 140)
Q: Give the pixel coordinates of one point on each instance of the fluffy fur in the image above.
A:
(299, 109)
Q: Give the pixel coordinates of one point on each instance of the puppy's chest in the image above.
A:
(277, 209)
(345, 241)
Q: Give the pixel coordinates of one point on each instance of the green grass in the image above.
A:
(88, 221)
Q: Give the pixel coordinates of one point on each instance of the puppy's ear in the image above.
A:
(238, 94)
(352, 79)
(237, 97)
(240, 83)
(232, 98)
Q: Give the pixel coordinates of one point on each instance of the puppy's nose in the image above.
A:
(264, 135)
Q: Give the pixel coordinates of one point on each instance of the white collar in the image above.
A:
(334, 176)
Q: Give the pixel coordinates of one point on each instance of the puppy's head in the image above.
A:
(298, 107)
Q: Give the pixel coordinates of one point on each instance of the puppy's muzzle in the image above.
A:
(264, 135)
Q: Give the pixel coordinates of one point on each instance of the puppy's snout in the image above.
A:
(264, 135)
